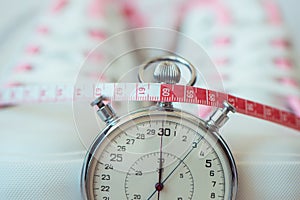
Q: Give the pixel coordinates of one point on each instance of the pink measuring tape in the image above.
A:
(146, 92)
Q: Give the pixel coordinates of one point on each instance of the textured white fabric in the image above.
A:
(53, 179)
(268, 180)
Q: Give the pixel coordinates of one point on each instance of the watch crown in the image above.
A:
(167, 72)
(220, 116)
(105, 111)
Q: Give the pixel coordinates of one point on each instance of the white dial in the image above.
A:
(159, 155)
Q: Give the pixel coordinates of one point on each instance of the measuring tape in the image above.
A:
(146, 92)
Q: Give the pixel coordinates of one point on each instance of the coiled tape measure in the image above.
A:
(145, 92)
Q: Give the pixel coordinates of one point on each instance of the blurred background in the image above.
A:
(254, 45)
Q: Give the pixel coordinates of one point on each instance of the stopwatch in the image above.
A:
(160, 152)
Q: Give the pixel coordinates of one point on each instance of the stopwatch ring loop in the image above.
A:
(176, 59)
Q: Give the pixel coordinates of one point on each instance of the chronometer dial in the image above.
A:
(162, 157)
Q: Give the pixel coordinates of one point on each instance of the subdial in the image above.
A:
(143, 182)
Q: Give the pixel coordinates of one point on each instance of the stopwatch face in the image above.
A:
(159, 155)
